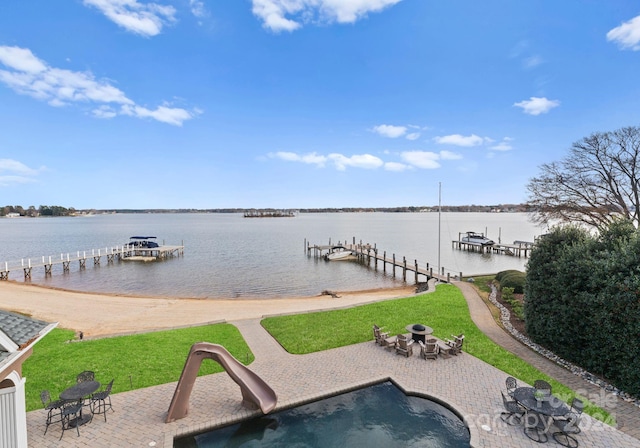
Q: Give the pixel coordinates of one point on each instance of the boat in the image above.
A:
(339, 253)
(142, 248)
(477, 238)
(142, 242)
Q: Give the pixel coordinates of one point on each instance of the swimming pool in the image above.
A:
(376, 416)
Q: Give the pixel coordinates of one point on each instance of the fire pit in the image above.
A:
(419, 331)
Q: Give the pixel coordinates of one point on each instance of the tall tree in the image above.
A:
(597, 182)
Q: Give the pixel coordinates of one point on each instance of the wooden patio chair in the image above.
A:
(429, 349)
(455, 343)
(404, 345)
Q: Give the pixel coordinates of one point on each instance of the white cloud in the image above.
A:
(627, 35)
(146, 19)
(366, 161)
(460, 140)
(28, 75)
(413, 136)
(504, 145)
(537, 106)
(197, 8)
(448, 155)
(340, 161)
(288, 15)
(421, 159)
(532, 62)
(396, 166)
(387, 130)
(13, 172)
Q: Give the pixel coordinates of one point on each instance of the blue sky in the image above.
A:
(303, 103)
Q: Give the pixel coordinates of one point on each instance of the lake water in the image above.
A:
(227, 255)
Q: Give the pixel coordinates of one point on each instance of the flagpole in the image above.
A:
(439, 213)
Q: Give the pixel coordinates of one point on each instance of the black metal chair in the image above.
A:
(53, 408)
(535, 426)
(511, 384)
(71, 414)
(101, 401)
(87, 375)
(511, 409)
(542, 385)
(569, 425)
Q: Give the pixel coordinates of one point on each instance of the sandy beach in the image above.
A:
(102, 314)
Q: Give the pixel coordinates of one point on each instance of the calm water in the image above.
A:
(377, 416)
(227, 255)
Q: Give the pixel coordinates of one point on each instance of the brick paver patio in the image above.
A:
(470, 386)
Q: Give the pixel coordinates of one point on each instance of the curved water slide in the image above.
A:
(256, 394)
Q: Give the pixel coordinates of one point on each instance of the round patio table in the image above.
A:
(418, 331)
(552, 406)
(78, 392)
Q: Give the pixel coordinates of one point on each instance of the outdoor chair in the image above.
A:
(542, 385)
(429, 349)
(404, 345)
(71, 413)
(569, 425)
(511, 410)
(379, 336)
(512, 385)
(535, 426)
(100, 402)
(455, 343)
(53, 408)
(87, 375)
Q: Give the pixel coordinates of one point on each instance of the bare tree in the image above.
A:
(597, 182)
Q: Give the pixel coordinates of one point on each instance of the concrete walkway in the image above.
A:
(470, 386)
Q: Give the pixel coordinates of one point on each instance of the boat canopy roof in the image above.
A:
(141, 237)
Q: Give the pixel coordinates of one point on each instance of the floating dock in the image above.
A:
(110, 255)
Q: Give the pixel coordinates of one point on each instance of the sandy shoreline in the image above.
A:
(104, 314)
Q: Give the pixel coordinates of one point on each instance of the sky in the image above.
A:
(304, 103)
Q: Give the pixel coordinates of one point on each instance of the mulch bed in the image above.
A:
(516, 322)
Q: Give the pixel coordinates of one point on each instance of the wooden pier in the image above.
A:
(517, 249)
(110, 255)
(369, 255)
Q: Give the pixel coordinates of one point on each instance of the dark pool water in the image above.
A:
(376, 416)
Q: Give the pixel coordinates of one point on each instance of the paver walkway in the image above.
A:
(627, 415)
(470, 386)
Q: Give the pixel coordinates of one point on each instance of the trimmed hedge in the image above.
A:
(582, 300)
(512, 279)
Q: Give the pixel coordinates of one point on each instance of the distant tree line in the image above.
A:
(32, 212)
(55, 210)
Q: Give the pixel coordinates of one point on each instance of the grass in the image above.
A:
(445, 310)
(134, 361)
(150, 359)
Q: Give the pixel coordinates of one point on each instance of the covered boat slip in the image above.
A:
(145, 248)
(137, 249)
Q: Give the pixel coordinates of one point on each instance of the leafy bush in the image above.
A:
(514, 280)
(500, 275)
(581, 294)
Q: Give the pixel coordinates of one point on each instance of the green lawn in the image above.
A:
(445, 310)
(134, 361)
(150, 359)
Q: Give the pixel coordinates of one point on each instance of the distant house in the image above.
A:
(18, 335)
(13, 215)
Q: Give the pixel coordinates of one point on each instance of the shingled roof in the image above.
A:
(19, 330)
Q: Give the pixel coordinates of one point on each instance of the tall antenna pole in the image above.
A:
(439, 213)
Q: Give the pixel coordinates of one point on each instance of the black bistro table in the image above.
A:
(551, 406)
(78, 392)
(418, 331)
